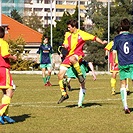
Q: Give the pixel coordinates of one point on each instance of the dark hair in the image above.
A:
(118, 29)
(125, 24)
(46, 37)
(73, 23)
(2, 32)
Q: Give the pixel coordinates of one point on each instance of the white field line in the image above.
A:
(40, 72)
(42, 104)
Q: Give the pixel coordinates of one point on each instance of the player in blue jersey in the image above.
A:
(123, 46)
(114, 69)
(44, 54)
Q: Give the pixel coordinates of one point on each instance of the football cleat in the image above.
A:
(69, 87)
(8, 119)
(80, 106)
(46, 84)
(49, 84)
(127, 111)
(1, 120)
(113, 92)
(63, 97)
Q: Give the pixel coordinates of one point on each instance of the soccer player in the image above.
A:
(113, 69)
(6, 82)
(123, 46)
(44, 54)
(74, 42)
(72, 74)
(85, 68)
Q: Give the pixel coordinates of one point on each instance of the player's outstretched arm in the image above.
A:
(100, 41)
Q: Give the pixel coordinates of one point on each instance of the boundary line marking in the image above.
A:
(38, 104)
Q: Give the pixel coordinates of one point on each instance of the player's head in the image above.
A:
(45, 41)
(72, 25)
(125, 24)
(118, 30)
(2, 32)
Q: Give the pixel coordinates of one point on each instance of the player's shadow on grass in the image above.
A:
(85, 105)
(21, 118)
(55, 85)
(131, 109)
(72, 89)
(117, 93)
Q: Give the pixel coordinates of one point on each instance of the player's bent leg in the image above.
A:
(81, 97)
(68, 84)
(127, 88)
(5, 103)
(64, 94)
(113, 85)
(49, 75)
(74, 61)
(8, 93)
(124, 100)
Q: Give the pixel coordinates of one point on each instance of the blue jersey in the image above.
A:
(123, 44)
(45, 51)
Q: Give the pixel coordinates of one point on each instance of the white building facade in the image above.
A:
(53, 9)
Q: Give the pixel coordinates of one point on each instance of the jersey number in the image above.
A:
(126, 48)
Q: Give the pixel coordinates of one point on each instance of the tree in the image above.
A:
(16, 16)
(61, 28)
(17, 48)
(58, 31)
(76, 16)
(118, 10)
(33, 22)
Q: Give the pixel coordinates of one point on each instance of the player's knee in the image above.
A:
(60, 76)
(73, 59)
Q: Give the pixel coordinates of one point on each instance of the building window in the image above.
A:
(46, 1)
(59, 2)
(82, 2)
(59, 10)
(47, 9)
(58, 18)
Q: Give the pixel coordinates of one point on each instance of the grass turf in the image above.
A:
(34, 108)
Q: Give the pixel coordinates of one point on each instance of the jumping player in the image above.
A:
(74, 42)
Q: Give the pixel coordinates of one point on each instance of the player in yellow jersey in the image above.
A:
(74, 42)
(6, 82)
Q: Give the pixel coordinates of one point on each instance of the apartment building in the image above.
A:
(9, 5)
(47, 10)
(53, 10)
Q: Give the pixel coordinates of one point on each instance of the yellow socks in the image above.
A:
(63, 90)
(77, 68)
(113, 83)
(5, 104)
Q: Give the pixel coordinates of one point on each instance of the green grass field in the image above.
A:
(35, 109)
